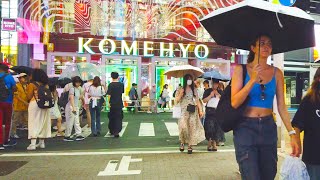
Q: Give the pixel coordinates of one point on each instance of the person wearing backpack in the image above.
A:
(72, 111)
(39, 122)
(85, 88)
(255, 135)
(7, 87)
(96, 99)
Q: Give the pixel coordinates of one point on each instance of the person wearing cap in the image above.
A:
(20, 105)
(85, 88)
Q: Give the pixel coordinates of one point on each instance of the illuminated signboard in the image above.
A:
(200, 51)
(9, 24)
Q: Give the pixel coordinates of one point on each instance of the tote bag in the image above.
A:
(176, 111)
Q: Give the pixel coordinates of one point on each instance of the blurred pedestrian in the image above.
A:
(85, 88)
(115, 91)
(133, 95)
(307, 119)
(96, 93)
(191, 131)
(55, 113)
(39, 122)
(7, 88)
(212, 129)
(153, 102)
(72, 111)
(164, 95)
(20, 105)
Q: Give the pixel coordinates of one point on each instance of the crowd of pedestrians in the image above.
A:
(34, 104)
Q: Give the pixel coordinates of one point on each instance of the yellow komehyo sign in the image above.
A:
(147, 48)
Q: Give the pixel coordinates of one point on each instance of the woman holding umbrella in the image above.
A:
(255, 137)
(190, 128)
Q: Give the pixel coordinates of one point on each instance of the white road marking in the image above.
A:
(86, 131)
(124, 126)
(172, 128)
(30, 154)
(123, 169)
(146, 129)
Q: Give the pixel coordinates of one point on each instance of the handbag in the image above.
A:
(228, 117)
(176, 111)
(191, 108)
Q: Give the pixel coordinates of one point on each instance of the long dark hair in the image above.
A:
(185, 79)
(254, 43)
(313, 92)
(96, 81)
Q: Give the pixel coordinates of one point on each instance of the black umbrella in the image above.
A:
(22, 69)
(236, 26)
(64, 81)
(53, 81)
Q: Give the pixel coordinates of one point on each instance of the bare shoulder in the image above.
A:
(278, 72)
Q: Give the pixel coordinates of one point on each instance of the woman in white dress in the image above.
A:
(39, 123)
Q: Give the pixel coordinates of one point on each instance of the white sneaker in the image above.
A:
(41, 145)
(16, 136)
(31, 147)
(149, 112)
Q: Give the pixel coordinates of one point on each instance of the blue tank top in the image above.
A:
(255, 93)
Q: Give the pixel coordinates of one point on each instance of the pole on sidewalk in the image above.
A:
(278, 61)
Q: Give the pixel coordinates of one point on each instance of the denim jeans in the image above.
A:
(313, 171)
(255, 141)
(95, 117)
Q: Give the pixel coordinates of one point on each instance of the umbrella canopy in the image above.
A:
(22, 69)
(84, 70)
(180, 71)
(53, 81)
(215, 75)
(289, 28)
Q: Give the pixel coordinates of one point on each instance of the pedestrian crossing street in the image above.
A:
(145, 130)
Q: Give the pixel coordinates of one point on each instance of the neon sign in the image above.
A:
(201, 51)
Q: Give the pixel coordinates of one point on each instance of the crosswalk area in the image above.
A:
(144, 129)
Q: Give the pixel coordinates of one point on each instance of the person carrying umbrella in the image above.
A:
(190, 128)
(267, 29)
(255, 138)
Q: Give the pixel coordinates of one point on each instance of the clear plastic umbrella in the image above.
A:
(84, 70)
(215, 75)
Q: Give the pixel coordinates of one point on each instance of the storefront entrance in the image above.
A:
(57, 61)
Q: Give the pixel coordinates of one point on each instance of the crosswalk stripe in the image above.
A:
(124, 127)
(172, 128)
(146, 129)
(85, 131)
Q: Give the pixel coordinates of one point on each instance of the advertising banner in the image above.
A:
(8, 24)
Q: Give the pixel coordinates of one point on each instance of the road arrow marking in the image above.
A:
(123, 169)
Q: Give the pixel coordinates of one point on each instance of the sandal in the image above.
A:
(190, 150)
(181, 147)
(210, 148)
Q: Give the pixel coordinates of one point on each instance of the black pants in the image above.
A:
(132, 105)
(115, 120)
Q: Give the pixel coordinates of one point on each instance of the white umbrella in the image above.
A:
(180, 71)
(84, 70)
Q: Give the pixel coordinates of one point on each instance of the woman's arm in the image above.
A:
(239, 93)
(71, 98)
(284, 112)
(211, 95)
(30, 91)
(180, 95)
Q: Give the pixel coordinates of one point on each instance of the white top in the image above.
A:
(165, 93)
(96, 92)
(86, 92)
